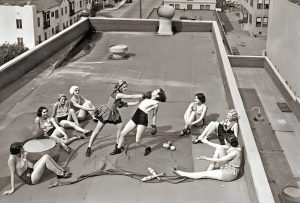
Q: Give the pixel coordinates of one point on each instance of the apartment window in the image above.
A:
(52, 14)
(56, 14)
(20, 40)
(207, 7)
(53, 31)
(38, 22)
(67, 23)
(245, 17)
(259, 4)
(171, 5)
(80, 4)
(265, 21)
(19, 23)
(189, 6)
(40, 39)
(258, 22)
(57, 29)
(71, 22)
(267, 4)
(250, 18)
(251, 3)
(45, 35)
(202, 7)
(66, 10)
(177, 6)
(62, 11)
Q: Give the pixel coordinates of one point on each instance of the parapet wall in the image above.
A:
(25, 62)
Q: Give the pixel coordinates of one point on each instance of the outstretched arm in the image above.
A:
(213, 144)
(128, 96)
(54, 110)
(11, 166)
(225, 158)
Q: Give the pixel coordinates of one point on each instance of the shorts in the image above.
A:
(61, 118)
(140, 118)
(49, 133)
(26, 176)
(229, 173)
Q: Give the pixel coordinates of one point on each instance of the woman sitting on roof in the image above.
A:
(228, 157)
(195, 113)
(81, 105)
(28, 172)
(65, 116)
(226, 127)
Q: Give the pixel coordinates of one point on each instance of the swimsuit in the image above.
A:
(62, 112)
(230, 170)
(225, 130)
(140, 117)
(26, 176)
(47, 126)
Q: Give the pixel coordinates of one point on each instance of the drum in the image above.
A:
(38, 147)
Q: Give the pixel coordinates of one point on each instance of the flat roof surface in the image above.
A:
(182, 64)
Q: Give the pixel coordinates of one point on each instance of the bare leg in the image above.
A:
(119, 129)
(81, 115)
(39, 167)
(60, 142)
(139, 134)
(212, 127)
(219, 152)
(191, 119)
(72, 116)
(98, 128)
(127, 129)
(69, 124)
(214, 174)
(89, 104)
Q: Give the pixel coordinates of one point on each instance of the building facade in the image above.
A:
(192, 4)
(254, 16)
(32, 22)
(283, 42)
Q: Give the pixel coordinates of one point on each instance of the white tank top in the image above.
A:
(146, 105)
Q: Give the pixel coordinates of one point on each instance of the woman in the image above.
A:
(51, 128)
(64, 115)
(28, 172)
(226, 127)
(108, 113)
(194, 114)
(140, 120)
(228, 157)
(80, 104)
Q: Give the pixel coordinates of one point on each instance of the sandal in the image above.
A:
(65, 174)
(197, 141)
(183, 132)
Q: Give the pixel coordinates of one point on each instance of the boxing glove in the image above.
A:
(147, 95)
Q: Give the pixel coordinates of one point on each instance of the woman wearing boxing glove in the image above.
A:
(108, 113)
(140, 120)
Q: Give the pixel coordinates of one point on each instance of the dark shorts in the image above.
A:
(61, 118)
(26, 176)
(140, 118)
(49, 133)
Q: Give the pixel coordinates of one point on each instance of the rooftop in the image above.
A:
(42, 5)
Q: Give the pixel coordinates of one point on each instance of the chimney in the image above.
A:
(165, 14)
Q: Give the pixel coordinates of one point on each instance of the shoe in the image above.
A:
(116, 151)
(65, 174)
(87, 133)
(95, 119)
(88, 152)
(147, 151)
(188, 131)
(182, 132)
(116, 146)
(197, 141)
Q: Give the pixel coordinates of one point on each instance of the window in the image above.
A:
(38, 22)
(202, 7)
(267, 4)
(40, 39)
(57, 29)
(251, 3)
(250, 18)
(52, 14)
(265, 21)
(207, 7)
(245, 17)
(80, 4)
(66, 10)
(56, 14)
(177, 6)
(19, 23)
(67, 23)
(189, 6)
(171, 5)
(52, 31)
(20, 40)
(258, 22)
(71, 22)
(45, 35)
(62, 11)
(259, 4)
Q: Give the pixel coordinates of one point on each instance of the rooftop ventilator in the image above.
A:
(165, 14)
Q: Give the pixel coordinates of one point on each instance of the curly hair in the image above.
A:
(39, 111)
(15, 148)
(162, 97)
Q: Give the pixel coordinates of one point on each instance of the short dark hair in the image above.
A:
(232, 140)
(39, 111)
(162, 97)
(201, 97)
(15, 148)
